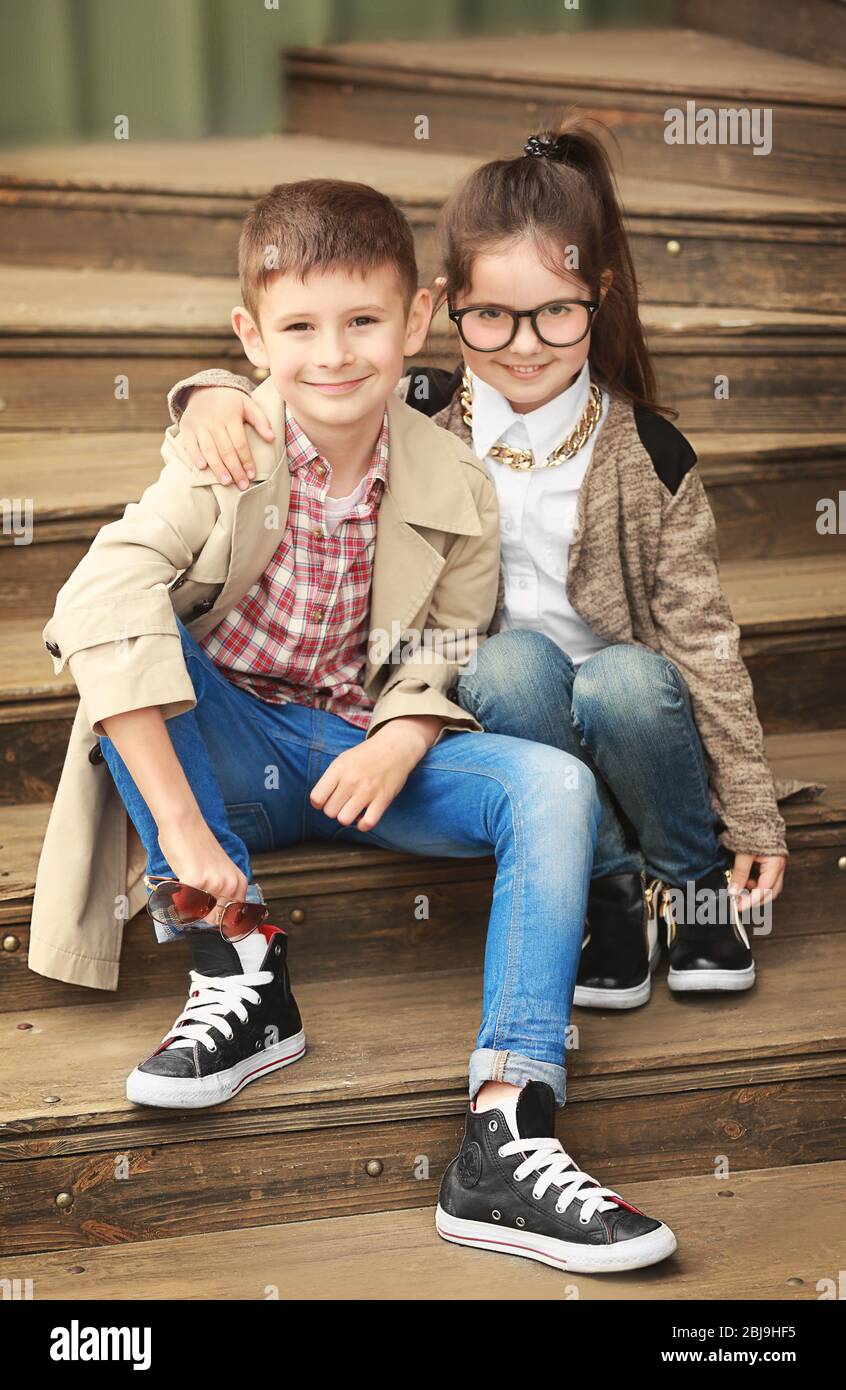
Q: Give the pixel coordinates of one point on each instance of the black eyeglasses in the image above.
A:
(490, 328)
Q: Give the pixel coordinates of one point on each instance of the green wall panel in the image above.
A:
(184, 68)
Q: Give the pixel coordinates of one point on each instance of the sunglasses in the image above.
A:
(177, 905)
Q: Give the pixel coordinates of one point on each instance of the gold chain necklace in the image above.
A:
(523, 459)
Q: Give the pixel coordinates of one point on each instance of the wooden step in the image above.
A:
(820, 35)
(792, 616)
(759, 1078)
(764, 489)
(109, 344)
(177, 206)
(485, 94)
(730, 1247)
(356, 912)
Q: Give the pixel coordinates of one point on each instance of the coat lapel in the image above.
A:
(426, 489)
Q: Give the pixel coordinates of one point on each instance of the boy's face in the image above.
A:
(528, 372)
(334, 343)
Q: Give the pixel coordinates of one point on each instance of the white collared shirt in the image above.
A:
(537, 509)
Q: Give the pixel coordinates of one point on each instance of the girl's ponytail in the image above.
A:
(562, 193)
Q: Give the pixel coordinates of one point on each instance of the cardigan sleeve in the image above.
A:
(697, 632)
(177, 396)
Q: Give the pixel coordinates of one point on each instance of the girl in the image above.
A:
(614, 640)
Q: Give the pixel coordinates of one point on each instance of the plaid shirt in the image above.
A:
(300, 633)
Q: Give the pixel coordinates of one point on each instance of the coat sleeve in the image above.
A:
(457, 623)
(113, 622)
(697, 632)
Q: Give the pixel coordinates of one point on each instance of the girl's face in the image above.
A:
(527, 372)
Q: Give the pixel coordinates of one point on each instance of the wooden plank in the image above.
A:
(820, 36)
(796, 1015)
(198, 1186)
(71, 476)
(391, 1255)
(767, 595)
(230, 167)
(62, 300)
(664, 61)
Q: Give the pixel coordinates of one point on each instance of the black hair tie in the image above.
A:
(546, 147)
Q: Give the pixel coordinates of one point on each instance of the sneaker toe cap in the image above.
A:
(627, 1225)
(174, 1062)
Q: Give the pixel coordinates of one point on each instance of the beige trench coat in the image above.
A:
(192, 547)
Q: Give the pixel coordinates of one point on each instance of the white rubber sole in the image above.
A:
(637, 1253)
(588, 997)
(691, 981)
(189, 1093)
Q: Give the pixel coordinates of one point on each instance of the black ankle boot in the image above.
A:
(620, 948)
(711, 953)
(513, 1189)
(240, 1023)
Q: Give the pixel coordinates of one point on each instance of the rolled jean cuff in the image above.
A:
(164, 933)
(494, 1064)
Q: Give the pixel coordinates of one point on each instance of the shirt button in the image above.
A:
(523, 583)
(319, 614)
(317, 533)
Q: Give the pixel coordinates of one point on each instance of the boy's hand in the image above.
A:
(360, 784)
(212, 431)
(769, 883)
(196, 858)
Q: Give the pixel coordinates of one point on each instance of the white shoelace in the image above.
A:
(561, 1171)
(210, 999)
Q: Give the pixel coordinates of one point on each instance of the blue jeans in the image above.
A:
(472, 794)
(626, 713)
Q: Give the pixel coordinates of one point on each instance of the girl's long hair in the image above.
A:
(569, 200)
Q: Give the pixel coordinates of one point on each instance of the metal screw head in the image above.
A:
(52, 1100)
(297, 916)
(23, 1026)
(11, 943)
(64, 1200)
(841, 863)
(673, 247)
(374, 1168)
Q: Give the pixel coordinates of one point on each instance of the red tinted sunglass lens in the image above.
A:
(242, 917)
(179, 903)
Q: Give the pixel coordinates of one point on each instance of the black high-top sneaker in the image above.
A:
(512, 1188)
(621, 947)
(241, 1022)
(711, 953)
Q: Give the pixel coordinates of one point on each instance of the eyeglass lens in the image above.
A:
(558, 324)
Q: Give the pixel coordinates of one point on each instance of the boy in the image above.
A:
(365, 524)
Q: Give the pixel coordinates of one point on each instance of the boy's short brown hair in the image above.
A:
(322, 224)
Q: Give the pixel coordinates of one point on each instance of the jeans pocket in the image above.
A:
(251, 823)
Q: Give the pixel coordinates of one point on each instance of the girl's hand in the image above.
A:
(769, 883)
(212, 431)
(196, 858)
